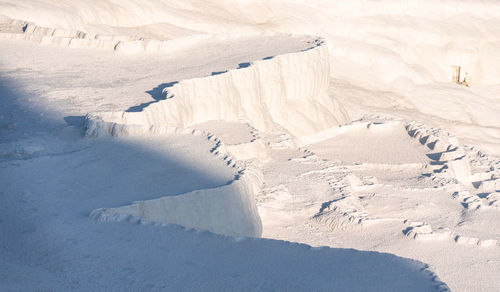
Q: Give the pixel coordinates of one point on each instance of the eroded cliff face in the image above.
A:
(286, 92)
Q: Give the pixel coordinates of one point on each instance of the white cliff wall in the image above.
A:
(287, 92)
(228, 209)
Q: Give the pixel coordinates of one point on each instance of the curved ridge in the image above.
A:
(229, 209)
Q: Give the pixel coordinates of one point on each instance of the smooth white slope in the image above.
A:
(53, 178)
(415, 40)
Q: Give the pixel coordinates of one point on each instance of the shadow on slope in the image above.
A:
(49, 242)
(157, 93)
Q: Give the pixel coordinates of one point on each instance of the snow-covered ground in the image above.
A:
(249, 145)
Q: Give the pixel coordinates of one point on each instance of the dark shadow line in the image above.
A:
(158, 93)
